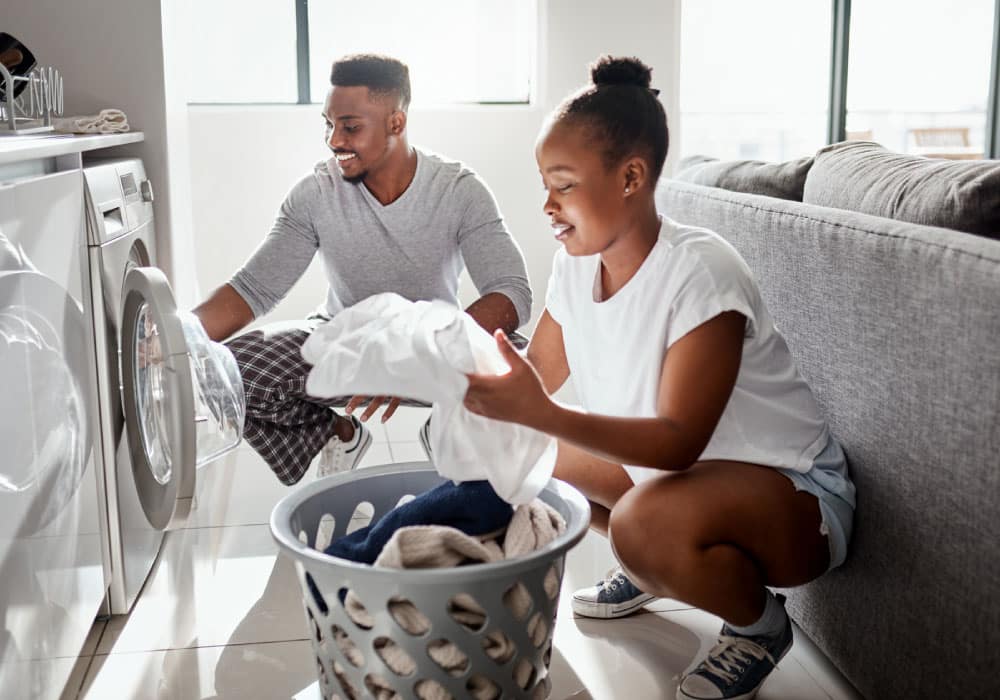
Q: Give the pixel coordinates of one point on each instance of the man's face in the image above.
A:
(361, 130)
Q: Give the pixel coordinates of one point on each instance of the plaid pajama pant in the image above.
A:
(284, 424)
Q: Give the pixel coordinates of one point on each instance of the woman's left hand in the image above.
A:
(517, 396)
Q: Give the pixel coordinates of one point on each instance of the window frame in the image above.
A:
(303, 74)
(840, 50)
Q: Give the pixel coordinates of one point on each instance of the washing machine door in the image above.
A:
(158, 398)
(182, 396)
(46, 447)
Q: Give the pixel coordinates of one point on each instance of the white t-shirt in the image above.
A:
(615, 348)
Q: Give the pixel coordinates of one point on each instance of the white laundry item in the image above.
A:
(389, 346)
(108, 121)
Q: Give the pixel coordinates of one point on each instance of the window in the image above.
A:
(458, 51)
(918, 75)
(238, 55)
(766, 80)
(754, 79)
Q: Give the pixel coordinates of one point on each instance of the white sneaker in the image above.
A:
(339, 456)
(425, 440)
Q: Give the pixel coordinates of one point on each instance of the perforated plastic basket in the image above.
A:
(480, 631)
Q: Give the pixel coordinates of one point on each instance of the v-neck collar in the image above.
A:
(406, 193)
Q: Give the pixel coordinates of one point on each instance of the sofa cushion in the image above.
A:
(865, 177)
(781, 180)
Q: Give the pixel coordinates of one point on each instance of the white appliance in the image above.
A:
(52, 581)
(170, 399)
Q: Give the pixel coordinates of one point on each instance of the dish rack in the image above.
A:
(32, 110)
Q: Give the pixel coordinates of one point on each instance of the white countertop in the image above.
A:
(19, 148)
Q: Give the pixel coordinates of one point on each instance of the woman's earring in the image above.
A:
(626, 190)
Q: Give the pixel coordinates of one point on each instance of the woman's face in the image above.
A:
(585, 201)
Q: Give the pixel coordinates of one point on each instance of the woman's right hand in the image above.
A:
(517, 396)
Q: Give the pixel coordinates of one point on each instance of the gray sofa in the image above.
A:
(896, 326)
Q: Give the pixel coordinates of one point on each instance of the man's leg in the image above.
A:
(285, 425)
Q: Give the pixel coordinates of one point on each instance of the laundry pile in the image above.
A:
(471, 508)
(523, 530)
(389, 346)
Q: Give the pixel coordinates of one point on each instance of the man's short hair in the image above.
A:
(382, 75)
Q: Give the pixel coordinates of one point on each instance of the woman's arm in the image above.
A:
(698, 376)
(547, 354)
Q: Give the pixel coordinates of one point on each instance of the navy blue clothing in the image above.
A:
(472, 507)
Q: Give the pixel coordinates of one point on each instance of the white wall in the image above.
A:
(244, 159)
(123, 53)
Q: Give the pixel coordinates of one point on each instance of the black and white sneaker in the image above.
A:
(615, 596)
(339, 456)
(425, 440)
(736, 667)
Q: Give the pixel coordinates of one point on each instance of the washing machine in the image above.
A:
(52, 578)
(170, 399)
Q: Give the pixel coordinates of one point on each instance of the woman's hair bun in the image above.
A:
(611, 70)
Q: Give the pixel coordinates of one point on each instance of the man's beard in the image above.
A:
(354, 179)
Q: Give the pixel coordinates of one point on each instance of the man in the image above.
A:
(384, 216)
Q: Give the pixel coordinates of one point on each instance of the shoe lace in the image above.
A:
(614, 578)
(333, 450)
(729, 658)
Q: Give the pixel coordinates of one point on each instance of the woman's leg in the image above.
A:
(602, 482)
(723, 530)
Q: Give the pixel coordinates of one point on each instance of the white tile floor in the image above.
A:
(221, 616)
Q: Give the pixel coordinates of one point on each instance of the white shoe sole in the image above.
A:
(607, 611)
(681, 695)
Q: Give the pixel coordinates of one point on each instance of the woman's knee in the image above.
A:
(653, 533)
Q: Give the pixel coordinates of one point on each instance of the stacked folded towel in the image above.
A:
(108, 121)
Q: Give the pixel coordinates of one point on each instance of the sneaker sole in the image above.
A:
(746, 696)
(607, 611)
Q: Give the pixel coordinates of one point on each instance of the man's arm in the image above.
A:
(272, 269)
(494, 260)
(494, 310)
(224, 313)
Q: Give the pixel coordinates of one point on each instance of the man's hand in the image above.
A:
(373, 406)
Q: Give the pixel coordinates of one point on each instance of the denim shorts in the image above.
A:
(829, 482)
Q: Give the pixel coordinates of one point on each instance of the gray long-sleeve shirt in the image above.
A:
(414, 246)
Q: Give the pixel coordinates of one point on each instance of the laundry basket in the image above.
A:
(479, 631)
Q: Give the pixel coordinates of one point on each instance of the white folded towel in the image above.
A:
(108, 121)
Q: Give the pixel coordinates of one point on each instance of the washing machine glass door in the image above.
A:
(44, 384)
(158, 398)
